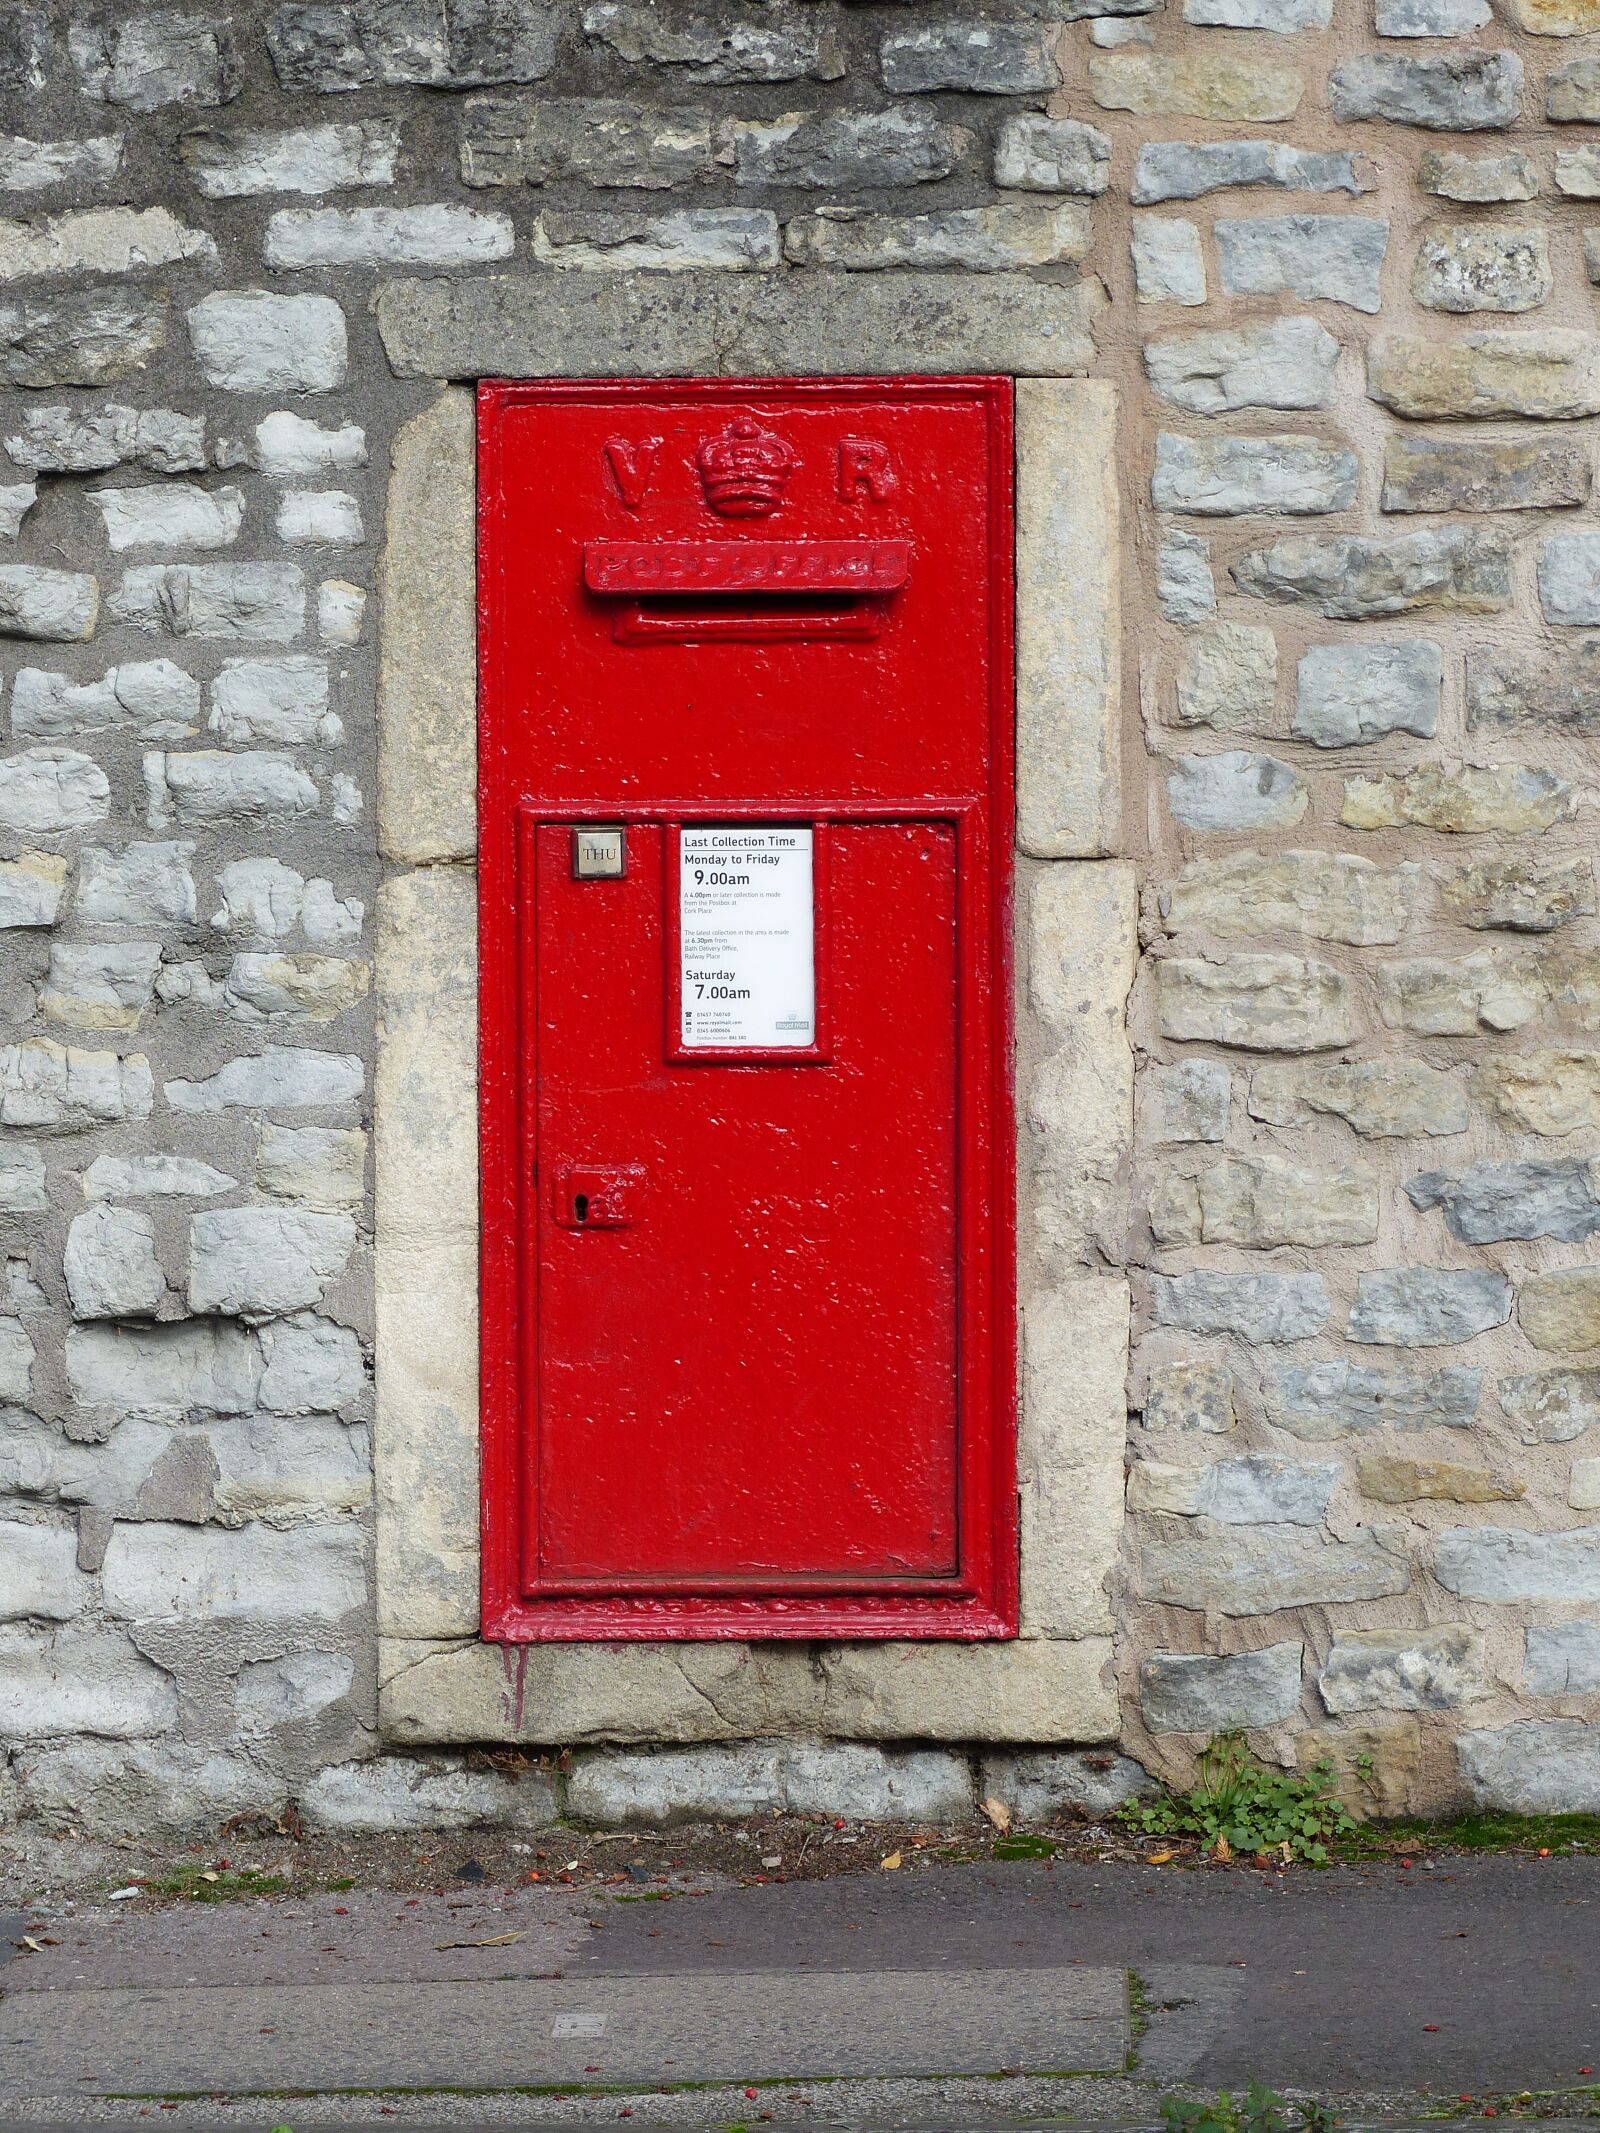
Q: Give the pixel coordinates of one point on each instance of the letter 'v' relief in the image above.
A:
(632, 467)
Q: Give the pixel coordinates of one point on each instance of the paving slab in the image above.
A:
(593, 2030)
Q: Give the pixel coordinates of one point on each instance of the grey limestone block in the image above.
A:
(1355, 693)
(52, 789)
(1035, 153)
(518, 140)
(80, 1680)
(1538, 692)
(1187, 170)
(1265, 1003)
(1499, 1564)
(1192, 1396)
(25, 45)
(1423, 472)
(1357, 578)
(1337, 258)
(1183, 1692)
(405, 1793)
(1562, 1659)
(1255, 1490)
(1453, 175)
(97, 336)
(1292, 476)
(1435, 1669)
(1430, 18)
(1194, 1098)
(1551, 1406)
(1185, 589)
(1482, 267)
(1280, 363)
(709, 46)
(1490, 1202)
(333, 48)
(1260, 1570)
(254, 341)
(1259, 1308)
(1042, 1785)
(231, 163)
(1283, 17)
(1428, 1307)
(151, 60)
(990, 56)
(1321, 1402)
(1456, 92)
(1572, 94)
(1235, 791)
(847, 150)
(160, 1788)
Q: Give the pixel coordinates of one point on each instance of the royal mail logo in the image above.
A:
(745, 469)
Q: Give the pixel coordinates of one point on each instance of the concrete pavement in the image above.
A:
(1459, 1975)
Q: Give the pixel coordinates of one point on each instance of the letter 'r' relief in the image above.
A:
(865, 469)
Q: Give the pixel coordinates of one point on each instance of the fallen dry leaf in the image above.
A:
(1162, 1858)
(999, 1814)
(34, 1946)
(888, 1865)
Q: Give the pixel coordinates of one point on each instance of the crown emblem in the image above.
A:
(745, 469)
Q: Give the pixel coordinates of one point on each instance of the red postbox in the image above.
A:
(745, 778)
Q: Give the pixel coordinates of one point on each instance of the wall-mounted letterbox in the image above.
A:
(746, 823)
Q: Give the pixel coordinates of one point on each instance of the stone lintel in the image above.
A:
(564, 325)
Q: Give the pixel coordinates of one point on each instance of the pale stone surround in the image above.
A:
(439, 1683)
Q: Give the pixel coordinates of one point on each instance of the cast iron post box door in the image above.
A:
(745, 794)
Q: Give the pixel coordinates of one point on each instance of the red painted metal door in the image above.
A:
(745, 780)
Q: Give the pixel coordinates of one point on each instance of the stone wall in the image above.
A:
(1339, 269)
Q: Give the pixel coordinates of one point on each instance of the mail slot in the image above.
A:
(745, 784)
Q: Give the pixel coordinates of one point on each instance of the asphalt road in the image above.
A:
(1459, 1976)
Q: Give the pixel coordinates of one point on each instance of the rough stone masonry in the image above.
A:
(1339, 257)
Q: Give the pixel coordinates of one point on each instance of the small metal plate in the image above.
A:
(599, 854)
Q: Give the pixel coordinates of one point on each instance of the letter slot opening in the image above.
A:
(745, 591)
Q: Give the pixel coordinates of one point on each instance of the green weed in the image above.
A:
(1259, 2110)
(1241, 1806)
(1501, 1833)
(217, 1884)
(1021, 1846)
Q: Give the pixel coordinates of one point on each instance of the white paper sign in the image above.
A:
(747, 938)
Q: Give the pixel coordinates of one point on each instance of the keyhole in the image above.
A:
(580, 1206)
